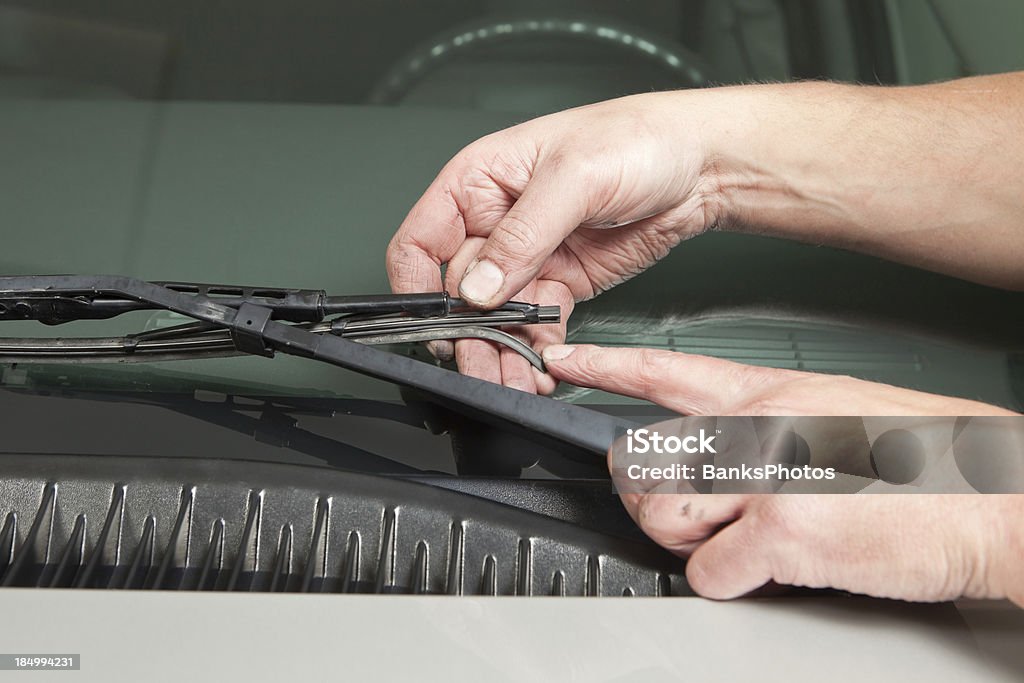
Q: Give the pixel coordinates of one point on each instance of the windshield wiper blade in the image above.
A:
(257, 326)
(71, 301)
(198, 339)
(373, 319)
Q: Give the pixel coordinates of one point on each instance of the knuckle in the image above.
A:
(591, 364)
(473, 151)
(760, 405)
(396, 250)
(401, 264)
(651, 367)
(576, 158)
(755, 390)
(771, 391)
(557, 159)
(660, 527)
(516, 237)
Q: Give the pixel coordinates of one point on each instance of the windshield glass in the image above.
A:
(280, 144)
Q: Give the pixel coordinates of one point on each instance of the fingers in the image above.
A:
(429, 236)
(682, 522)
(478, 358)
(910, 547)
(551, 206)
(514, 370)
(550, 292)
(693, 385)
(700, 385)
(727, 558)
(460, 261)
(732, 563)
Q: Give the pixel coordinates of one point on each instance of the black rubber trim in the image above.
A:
(116, 522)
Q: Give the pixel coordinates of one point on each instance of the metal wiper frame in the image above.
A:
(374, 319)
(260, 321)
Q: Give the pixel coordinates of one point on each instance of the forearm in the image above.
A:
(930, 175)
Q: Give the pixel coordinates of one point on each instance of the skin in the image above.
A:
(563, 207)
(915, 547)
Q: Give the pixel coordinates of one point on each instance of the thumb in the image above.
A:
(549, 209)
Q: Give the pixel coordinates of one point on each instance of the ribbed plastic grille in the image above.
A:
(128, 524)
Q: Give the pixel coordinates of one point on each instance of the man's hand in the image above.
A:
(914, 547)
(562, 207)
(921, 547)
(554, 211)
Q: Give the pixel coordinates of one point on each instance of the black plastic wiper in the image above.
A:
(260, 321)
(58, 305)
(374, 319)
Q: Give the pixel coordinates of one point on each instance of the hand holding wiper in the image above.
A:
(264, 321)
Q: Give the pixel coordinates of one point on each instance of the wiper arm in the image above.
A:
(261, 321)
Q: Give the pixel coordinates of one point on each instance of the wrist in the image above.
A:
(769, 155)
(762, 153)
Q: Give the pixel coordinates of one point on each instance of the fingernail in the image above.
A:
(557, 352)
(481, 282)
